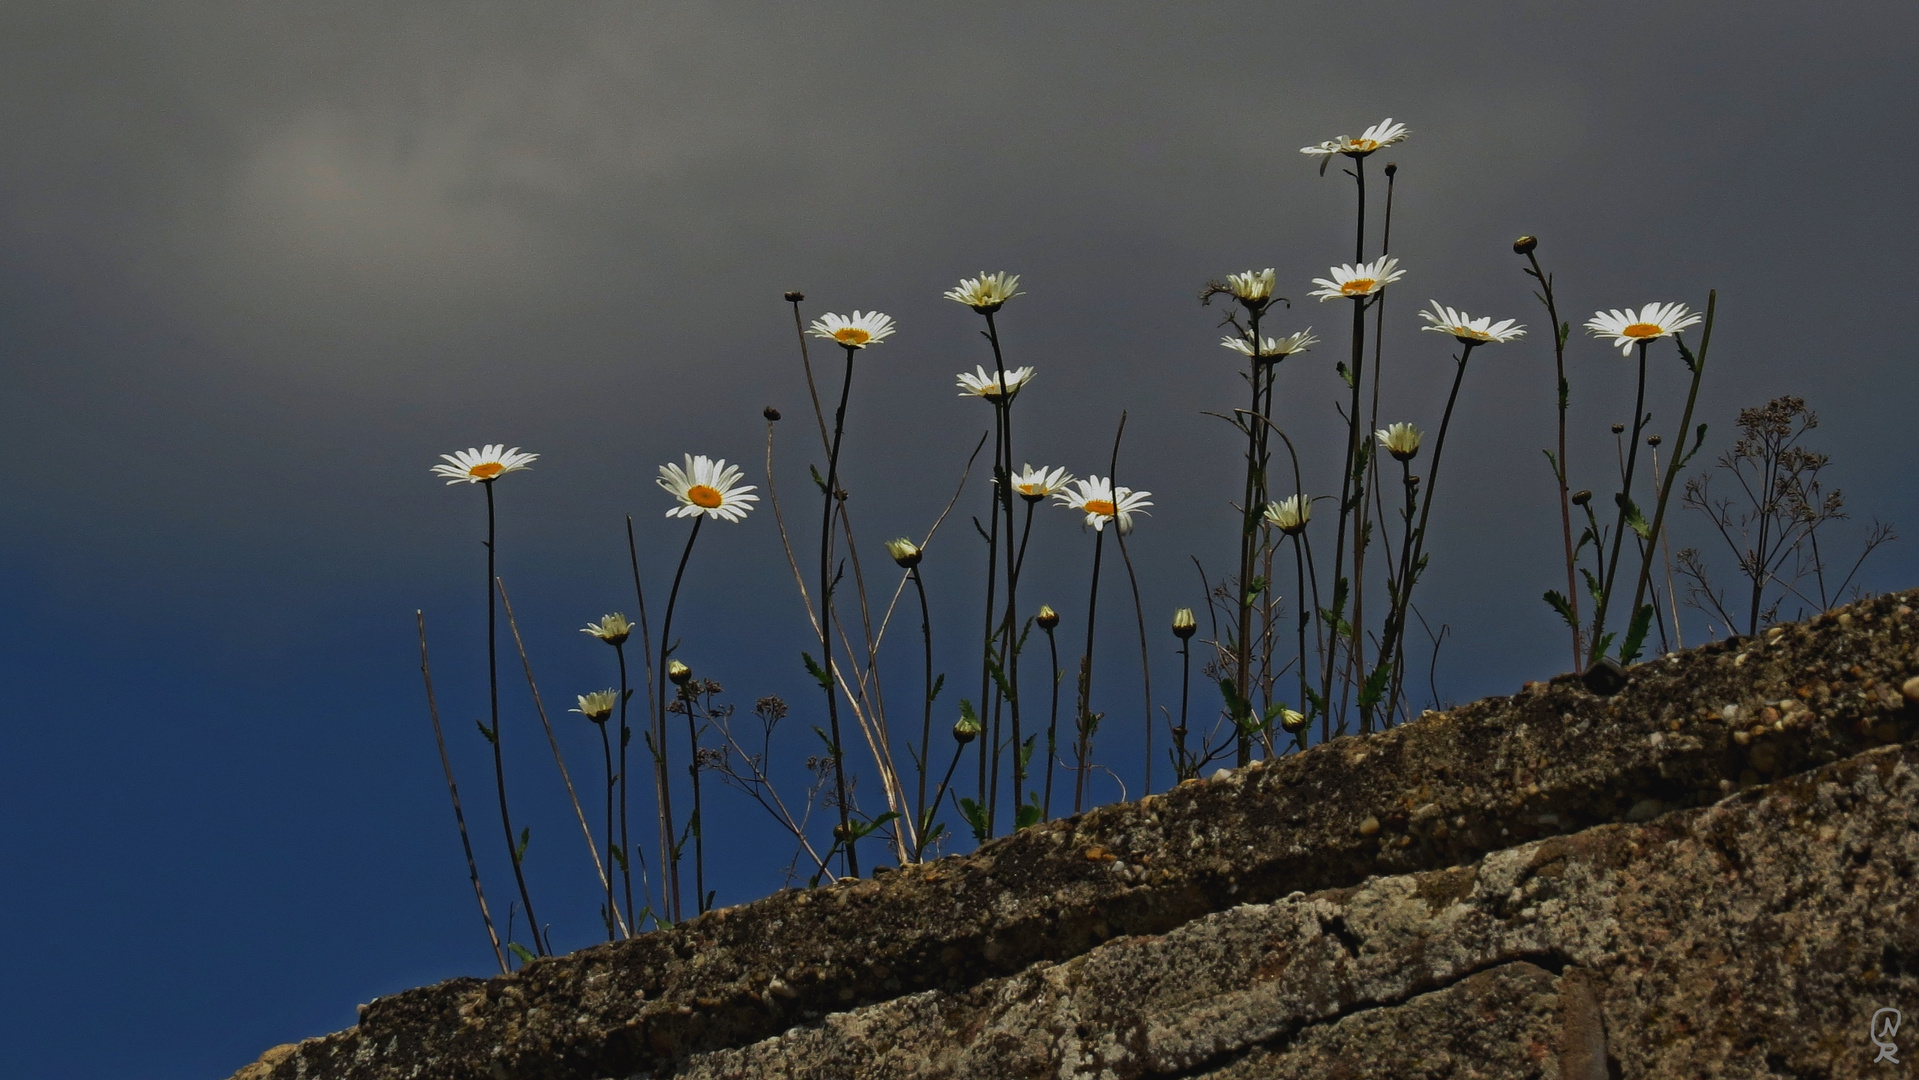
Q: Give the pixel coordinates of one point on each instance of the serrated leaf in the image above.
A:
(818, 480)
(975, 816)
(526, 837)
(1592, 584)
(938, 685)
(1236, 707)
(819, 673)
(485, 733)
(1375, 686)
(1636, 634)
(1558, 602)
(619, 855)
(967, 712)
(521, 952)
(1027, 815)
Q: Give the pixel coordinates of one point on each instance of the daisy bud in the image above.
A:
(1183, 624)
(966, 729)
(795, 296)
(598, 705)
(1400, 440)
(612, 629)
(1292, 720)
(1653, 440)
(905, 552)
(1290, 515)
(1525, 245)
(1582, 497)
(1618, 428)
(1048, 618)
(679, 673)
(772, 415)
(1392, 169)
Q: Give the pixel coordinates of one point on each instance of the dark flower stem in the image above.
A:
(1625, 500)
(493, 699)
(845, 834)
(662, 777)
(1052, 728)
(926, 723)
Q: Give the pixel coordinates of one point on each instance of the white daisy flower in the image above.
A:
(613, 629)
(1400, 440)
(1036, 484)
(482, 464)
(1365, 279)
(1253, 287)
(1290, 514)
(987, 292)
(1468, 330)
(1273, 348)
(1384, 133)
(705, 486)
(855, 331)
(1100, 502)
(1628, 328)
(986, 384)
(598, 705)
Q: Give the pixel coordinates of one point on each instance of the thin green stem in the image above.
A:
(849, 844)
(670, 853)
(493, 699)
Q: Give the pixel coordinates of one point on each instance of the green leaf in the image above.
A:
(999, 677)
(1028, 814)
(1565, 331)
(521, 952)
(619, 855)
(975, 816)
(526, 837)
(1375, 685)
(819, 673)
(1254, 588)
(1026, 752)
(1636, 521)
(1592, 584)
(1236, 707)
(967, 712)
(818, 480)
(1636, 634)
(485, 733)
(1605, 641)
(938, 685)
(1345, 374)
(1558, 602)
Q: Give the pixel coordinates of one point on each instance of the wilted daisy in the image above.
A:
(1096, 497)
(1290, 514)
(613, 629)
(856, 331)
(1273, 348)
(987, 292)
(983, 383)
(1628, 328)
(705, 486)
(905, 552)
(482, 464)
(598, 705)
(1365, 279)
(1254, 287)
(1468, 330)
(1035, 484)
(1400, 440)
(1384, 133)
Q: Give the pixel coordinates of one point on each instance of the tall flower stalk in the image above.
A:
(854, 333)
(703, 488)
(999, 666)
(598, 707)
(1101, 502)
(483, 466)
(1568, 603)
(614, 629)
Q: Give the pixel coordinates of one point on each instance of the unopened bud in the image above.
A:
(905, 552)
(772, 415)
(1183, 624)
(1653, 440)
(794, 296)
(966, 729)
(1047, 618)
(1617, 428)
(1525, 245)
(1292, 720)
(1392, 168)
(679, 673)
(1582, 497)
(598, 705)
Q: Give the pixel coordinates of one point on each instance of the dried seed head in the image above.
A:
(1525, 245)
(795, 296)
(1582, 497)
(772, 415)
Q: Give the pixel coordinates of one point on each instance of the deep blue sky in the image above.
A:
(261, 264)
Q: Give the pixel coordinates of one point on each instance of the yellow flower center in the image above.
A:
(1358, 286)
(1366, 145)
(849, 335)
(1643, 330)
(486, 470)
(702, 496)
(1032, 489)
(1102, 507)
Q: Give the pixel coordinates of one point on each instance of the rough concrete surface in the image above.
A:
(1483, 892)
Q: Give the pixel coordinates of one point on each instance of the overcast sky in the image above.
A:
(260, 264)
